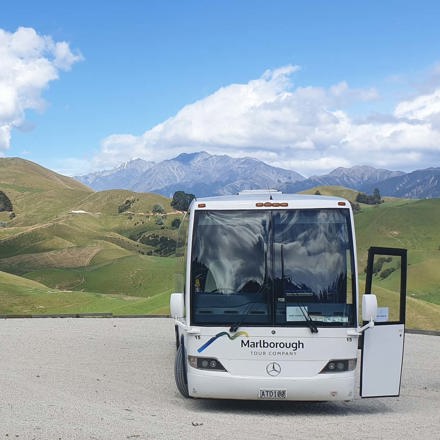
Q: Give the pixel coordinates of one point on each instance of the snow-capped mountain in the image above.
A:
(198, 173)
(122, 177)
(358, 177)
(419, 184)
(204, 174)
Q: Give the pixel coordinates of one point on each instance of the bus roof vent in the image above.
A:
(250, 192)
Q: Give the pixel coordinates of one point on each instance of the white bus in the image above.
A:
(269, 308)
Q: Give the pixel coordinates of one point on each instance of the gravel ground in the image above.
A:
(113, 379)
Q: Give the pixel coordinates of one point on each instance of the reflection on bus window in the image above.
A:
(269, 267)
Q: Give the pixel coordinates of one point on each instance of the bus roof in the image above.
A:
(260, 199)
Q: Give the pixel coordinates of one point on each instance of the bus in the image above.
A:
(270, 309)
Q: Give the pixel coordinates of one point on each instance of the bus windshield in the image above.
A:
(272, 268)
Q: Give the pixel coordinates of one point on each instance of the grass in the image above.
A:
(336, 191)
(413, 225)
(73, 246)
(134, 275)
(22, 296)
(108, 202)
(419, 313)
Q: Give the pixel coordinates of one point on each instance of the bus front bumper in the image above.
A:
(322, 387)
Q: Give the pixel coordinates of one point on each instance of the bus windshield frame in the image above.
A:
(273, 267)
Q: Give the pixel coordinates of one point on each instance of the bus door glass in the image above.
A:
(382, 347)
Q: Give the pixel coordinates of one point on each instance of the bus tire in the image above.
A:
(180, 371)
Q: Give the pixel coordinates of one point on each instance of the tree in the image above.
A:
(182, 200)
(375, 199)
(355, 207)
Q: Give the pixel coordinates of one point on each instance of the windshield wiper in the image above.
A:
(307, 317)
(234, 327)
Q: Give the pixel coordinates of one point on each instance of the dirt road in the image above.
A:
(113, 379)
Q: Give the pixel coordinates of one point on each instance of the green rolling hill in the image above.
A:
(20, 296)
(37, 194)
(84, 251)
(67, 249)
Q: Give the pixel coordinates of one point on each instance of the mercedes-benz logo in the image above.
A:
(273, 369)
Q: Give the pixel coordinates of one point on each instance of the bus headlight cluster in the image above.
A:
(204, 363)
(339, 366)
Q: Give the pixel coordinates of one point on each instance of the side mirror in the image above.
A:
(177, 305)
(369, 307)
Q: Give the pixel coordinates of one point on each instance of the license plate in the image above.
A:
(273, 394)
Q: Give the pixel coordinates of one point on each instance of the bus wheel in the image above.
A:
(180, 371)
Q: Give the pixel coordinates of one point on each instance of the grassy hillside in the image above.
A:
(346, 193)
(21, 296)
(134, 275)
(93, 253)
(113, 202)
(83, 251)
(336, 191)
(37, 194)
(413, 225)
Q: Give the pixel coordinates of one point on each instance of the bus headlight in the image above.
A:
(204, 363)
(339, 366)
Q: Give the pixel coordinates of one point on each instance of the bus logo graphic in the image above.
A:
(219, 335)
(273, 369)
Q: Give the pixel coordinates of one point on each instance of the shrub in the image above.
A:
(175, 224)
(163, 246)
(158, 209)
(386, 272)
(125, 206)
(5, 203)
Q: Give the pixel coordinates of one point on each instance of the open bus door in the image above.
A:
(382, 345)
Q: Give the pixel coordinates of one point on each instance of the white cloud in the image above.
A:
(28, 63)
(421, 108)
(308, 129)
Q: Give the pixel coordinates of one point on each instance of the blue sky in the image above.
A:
(305, 85)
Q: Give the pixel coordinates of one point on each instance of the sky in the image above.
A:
(303, 85)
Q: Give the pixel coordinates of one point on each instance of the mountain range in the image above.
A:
(204, 174)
